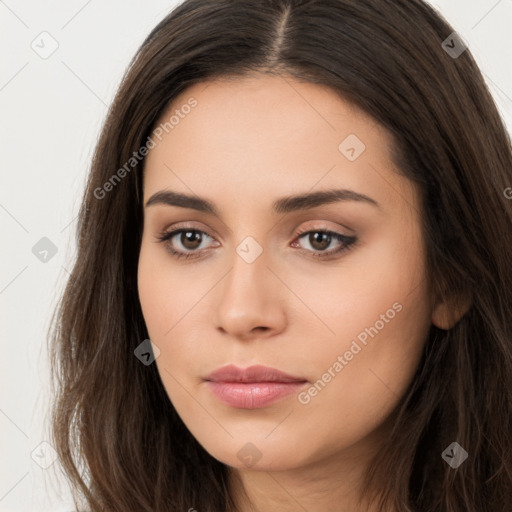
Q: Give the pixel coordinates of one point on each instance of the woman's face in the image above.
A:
(347, 316)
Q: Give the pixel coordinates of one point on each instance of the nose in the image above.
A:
(251, 300)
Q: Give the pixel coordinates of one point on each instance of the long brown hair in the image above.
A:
(115, 430)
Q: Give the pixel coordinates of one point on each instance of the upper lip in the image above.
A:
(256, 373)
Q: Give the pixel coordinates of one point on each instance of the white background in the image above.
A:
(51, 113)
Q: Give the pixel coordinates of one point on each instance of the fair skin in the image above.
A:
(246, 144)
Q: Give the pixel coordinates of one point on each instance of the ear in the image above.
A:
(448, 311)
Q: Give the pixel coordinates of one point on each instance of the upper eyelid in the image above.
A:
(343, 230)
(178, 229)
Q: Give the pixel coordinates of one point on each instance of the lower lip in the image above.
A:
(253, 395)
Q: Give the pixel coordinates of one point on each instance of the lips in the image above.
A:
(253, 387)
(257, 373)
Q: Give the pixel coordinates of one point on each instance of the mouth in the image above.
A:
(253, 387)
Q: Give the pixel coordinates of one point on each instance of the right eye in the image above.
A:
(189, 238)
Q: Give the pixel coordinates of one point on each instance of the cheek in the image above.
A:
(379, 312)
(381, 286)
(170, 300)
(151, 293)
(358, 380)
(162, 293)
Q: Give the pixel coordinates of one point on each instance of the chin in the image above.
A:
(257, 456)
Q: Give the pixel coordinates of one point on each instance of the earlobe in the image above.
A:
(447, 313)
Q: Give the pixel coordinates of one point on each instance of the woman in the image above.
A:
(293, 286)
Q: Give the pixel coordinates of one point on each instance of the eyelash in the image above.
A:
(348, 242)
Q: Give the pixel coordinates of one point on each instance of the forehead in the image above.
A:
(269, 136)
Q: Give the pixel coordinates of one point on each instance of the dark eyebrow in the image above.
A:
(282, 205)
(313, 199)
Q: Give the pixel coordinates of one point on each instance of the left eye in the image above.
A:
(319, 240)
(191, 240)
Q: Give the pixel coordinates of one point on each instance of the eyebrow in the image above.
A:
(280, 206)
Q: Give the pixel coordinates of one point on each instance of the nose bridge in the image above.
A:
(249, 269)
(248, 297)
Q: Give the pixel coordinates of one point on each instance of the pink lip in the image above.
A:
(252, 387)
